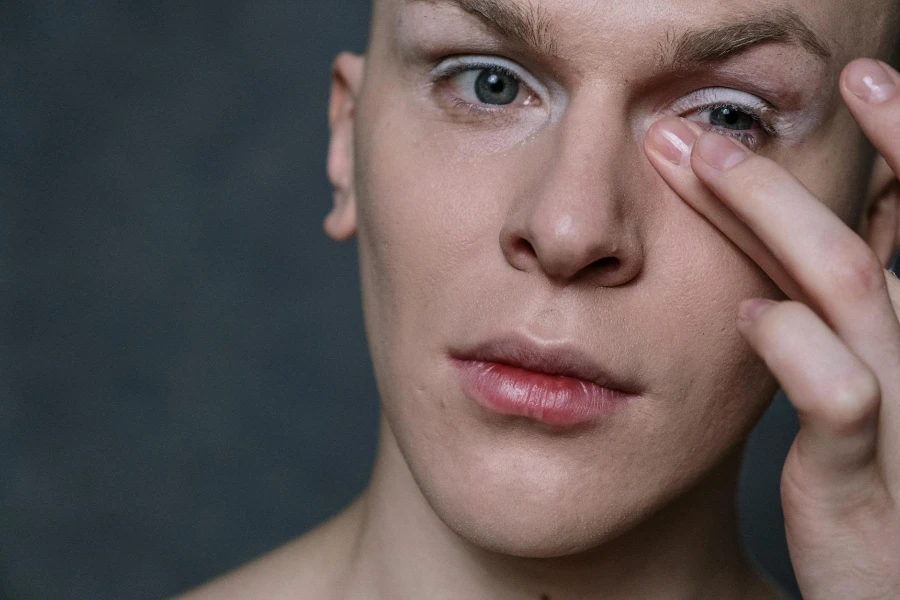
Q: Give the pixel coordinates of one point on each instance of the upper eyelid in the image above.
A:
(723, 96)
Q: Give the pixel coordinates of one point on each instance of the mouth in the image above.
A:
(552, 382)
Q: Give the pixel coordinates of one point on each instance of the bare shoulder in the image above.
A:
(310, 566)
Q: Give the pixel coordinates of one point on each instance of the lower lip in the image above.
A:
(550, 399)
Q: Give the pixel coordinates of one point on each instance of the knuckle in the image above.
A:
(857, 272)
(853, 403)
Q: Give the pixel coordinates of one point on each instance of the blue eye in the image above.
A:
(496, 87)
(732, 112)
(731, 118)
(487, 87)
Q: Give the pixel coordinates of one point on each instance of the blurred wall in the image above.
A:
(184, 381)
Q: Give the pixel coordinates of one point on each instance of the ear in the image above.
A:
(881, 223)
(346, 82)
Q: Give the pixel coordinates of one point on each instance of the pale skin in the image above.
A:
(773, 258)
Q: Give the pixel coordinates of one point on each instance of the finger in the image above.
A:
(671, 156)
(838, 271)
(836, 395)
(870, 90)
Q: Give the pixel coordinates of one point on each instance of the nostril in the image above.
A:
(523, 246)
(607, 264)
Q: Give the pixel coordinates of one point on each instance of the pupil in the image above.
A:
(730, 118)
(493, 87)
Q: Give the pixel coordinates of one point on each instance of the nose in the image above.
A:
(572, 220)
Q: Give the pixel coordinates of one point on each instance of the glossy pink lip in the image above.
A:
(554, 384)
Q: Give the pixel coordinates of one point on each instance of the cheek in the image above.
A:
(431, 202)
(428, 215)
(711, 384)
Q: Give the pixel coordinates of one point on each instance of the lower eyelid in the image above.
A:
(460, 110)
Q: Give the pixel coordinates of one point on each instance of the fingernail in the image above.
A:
(674, 140)
(721, 152)
(750, 310)
(870, 80)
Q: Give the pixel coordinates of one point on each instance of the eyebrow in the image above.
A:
(529, 26)
(701, 46)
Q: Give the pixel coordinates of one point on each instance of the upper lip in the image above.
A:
(549, 357)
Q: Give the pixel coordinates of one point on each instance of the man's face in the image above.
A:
(502, 190)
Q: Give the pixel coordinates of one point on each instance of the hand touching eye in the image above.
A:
(834, 345)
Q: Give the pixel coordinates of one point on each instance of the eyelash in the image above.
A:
(470, 109)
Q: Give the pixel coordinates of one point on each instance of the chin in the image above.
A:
(565, 513)
(537, 508)
(563, 534)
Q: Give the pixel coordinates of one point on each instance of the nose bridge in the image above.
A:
(591, 141)
(592, 144)
(575, 217)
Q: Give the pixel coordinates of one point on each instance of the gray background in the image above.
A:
(184, 380)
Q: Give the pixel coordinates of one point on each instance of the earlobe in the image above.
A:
(346, 83)
(882, 220)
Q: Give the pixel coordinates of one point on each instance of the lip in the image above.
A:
(552, 382)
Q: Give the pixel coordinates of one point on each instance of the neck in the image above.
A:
(687, 550)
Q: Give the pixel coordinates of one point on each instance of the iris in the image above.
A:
(495, 87)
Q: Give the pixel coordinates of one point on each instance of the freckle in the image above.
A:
(545, 596)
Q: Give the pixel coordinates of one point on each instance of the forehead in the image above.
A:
(849, 28)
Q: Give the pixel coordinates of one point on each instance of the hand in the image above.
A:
(834, 345)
